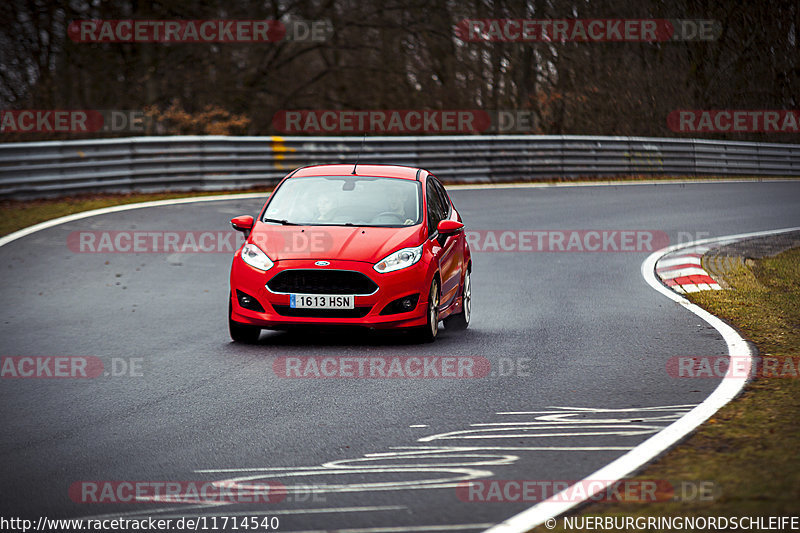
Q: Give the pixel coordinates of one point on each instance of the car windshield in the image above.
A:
(346, 201)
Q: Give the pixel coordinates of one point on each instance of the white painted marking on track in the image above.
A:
(255, 469)
(451, 477)
(418, 426)
(401, 529)
(485, 460)
(645, 452)
(596, 410)
(464, 434)
(312, 510)
(546, 425)
(155, 511)
(532, 448)
(443, 467)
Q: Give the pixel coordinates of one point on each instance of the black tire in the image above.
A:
(429, 331)
(244, 333)
(460, 321)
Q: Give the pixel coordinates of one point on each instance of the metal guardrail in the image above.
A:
(149, 164)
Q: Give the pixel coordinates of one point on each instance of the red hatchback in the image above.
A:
(372, 245)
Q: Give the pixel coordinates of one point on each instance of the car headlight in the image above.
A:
(253, 256)
(398, 260)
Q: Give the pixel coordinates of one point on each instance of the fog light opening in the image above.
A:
(401, 305)
(248, 302)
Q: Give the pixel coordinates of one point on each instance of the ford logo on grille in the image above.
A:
(322, 263)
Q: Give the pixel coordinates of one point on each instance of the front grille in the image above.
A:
(322, 282)
(358, 312)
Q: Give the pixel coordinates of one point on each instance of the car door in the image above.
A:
(446, 248)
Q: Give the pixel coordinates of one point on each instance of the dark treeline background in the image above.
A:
(404, 54)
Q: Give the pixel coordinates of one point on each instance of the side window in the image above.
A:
(444, 200)
(434, 207)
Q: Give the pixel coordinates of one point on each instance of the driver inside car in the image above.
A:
(396, 207)
(326, 209)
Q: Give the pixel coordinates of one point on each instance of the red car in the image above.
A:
(369, 245)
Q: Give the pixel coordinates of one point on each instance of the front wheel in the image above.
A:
(461, 320)
(241, 332)
(429, 331)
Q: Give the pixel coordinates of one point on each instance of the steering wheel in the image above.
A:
(387, 214)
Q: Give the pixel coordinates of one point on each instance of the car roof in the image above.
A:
(380, 171)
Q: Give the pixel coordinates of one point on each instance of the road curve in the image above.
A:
(580, 338)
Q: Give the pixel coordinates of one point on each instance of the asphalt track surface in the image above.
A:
(592, 337)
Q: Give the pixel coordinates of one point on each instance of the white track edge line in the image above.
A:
(645, 452)
(124, 207)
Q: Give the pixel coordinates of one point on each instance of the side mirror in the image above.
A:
(448, 227)
(242, 223)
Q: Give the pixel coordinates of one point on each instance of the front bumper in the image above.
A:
(391, 286)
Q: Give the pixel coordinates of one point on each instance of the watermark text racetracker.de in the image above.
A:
(723, 366)
(308, 241)
(69, 367)
(567, 240)
(596, 490)
(404, 121)
(198, 31)
(177, 492)
(402, 367)
(734, 120)
(158, 241)
(381, 367)
(73, 121)
(587, 30)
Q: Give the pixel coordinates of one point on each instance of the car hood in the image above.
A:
(350, 243)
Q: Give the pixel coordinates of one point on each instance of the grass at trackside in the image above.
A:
(18, 214)
(751, 448)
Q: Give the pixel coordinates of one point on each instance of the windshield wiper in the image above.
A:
(279, 221)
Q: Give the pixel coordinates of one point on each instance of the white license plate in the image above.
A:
(321, 301)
